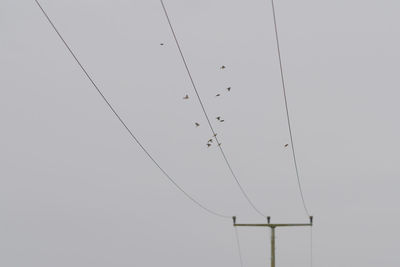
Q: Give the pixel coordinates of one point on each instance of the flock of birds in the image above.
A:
(219, 118)
(211, 140)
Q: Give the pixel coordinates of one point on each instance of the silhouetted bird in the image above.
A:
(186, 97)
(223, 67)
(162, 44)
(286, 145)
(208, 144)
(229, 89)
(222, 120)
(218, 118)
(210, 141)
(217, 95)
(197, 124)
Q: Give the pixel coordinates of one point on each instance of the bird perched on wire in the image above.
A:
(229, 89)
(222, 67)
(186, 97)
(197, 124)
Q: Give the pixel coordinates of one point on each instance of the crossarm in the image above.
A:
(272, 225)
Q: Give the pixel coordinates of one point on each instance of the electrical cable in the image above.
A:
(239, 247)
(124, 124)
(287, 109)
(205, 113)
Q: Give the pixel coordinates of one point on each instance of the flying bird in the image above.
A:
(210, 141)
(197, 124)
(218, 118)
(217, 95)
(186, 97)
(222, 67)
(208, 144)
(221, 120)
(162, 44)
(229, 89)
(286, 145)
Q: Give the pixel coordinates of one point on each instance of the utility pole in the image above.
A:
(272, 226)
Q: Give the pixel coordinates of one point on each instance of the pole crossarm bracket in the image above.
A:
(271, 225)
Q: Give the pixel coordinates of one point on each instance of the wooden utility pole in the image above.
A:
(272, 226)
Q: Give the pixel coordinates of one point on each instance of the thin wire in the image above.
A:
(206, 115)
(123, 123)
(239, 247)
(287, 109)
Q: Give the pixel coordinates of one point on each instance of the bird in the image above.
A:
(208, 144)
(218, 118)
(286, 145)
(229, 89)
(217, 95)
(197, 124)
(210, 141)
(219, 144)
(223, 67)
(161, 43)
(186, 97)
(221, 120)
(215, 134)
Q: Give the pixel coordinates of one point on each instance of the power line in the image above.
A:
(206, 115)
(287, 109)
(124, 124)
(239, 247)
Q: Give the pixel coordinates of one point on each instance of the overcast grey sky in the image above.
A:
(76, 191)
